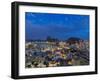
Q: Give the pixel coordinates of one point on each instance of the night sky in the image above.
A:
(61, 26)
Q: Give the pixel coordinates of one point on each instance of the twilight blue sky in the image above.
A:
(60, 26)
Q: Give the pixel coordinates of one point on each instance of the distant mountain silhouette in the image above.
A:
(69, 40)
(73, 39)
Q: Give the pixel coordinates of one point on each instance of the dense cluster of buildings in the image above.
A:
(56, 53)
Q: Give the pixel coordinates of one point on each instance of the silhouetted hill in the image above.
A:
(73, 39)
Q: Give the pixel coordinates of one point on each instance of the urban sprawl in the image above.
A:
(54, 53)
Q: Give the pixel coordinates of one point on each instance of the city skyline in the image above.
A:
(61, 26)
